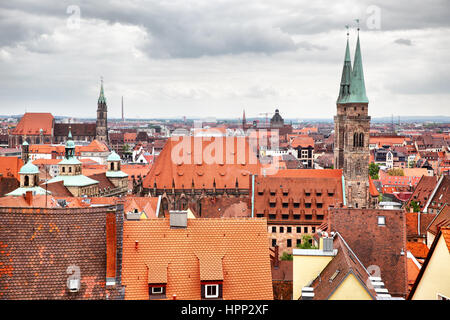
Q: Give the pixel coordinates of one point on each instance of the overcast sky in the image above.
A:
(208, 58)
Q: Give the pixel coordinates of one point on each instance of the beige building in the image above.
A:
(433, 281)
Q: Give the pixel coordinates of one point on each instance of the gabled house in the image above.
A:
(433, 280)
(181, 258)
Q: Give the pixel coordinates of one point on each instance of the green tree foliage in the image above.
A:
(373, 171)
(306, 243)
(286, 257)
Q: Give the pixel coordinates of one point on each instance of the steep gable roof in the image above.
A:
(186, 253)
(228, 166)
(31, 124)
(375, 244)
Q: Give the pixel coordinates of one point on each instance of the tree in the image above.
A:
(373, 171)
(415, 206)
(286, 257)
(306, 243)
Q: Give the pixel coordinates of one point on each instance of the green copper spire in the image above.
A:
(357, 86)
(70, 145)
(101, 98)
(344, 90)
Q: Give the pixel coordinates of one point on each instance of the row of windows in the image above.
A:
(289, 229)
(294, 216)
(208, 291)
(289, 242)
(286, 192)
(319, 205)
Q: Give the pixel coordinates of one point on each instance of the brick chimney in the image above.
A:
(29, 197)
(111, 248)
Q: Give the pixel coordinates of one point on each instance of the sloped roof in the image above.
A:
(374, 244)
(103, 181)
(423, 190)
(302, 141)
(31, 124)
(245, 276)
(309, 173)
(78, 129)
(233, 166)
(442, 219)
(10, 166)
(417, 249)
(57, 189)
(412, 221)
(336, 271)
(148, 205)
(39, 246)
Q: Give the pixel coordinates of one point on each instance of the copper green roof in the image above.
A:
(74, 181)
(101, 98)
(357, 86)
(25, 143)
(113, 157)
(29, 168)
(70, 160)
(116, 174)
(344, 90)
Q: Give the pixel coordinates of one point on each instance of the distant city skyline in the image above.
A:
(215, 59)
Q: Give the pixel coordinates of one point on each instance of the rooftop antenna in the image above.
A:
(123, 119)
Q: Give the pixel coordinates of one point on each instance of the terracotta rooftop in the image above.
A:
(418, 249)
(41, 248)
(58, 189)
(423, 191)
(375, 244)
(343, 264)
(32, 123)
(208, 248)
(10, 166)
(303, 142)
(77, 129)
(309, 173)
(230, 166)
(442, 219)
(412, 221)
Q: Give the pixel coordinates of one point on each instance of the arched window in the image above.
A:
(361, 139)
(26, 182)
(112, 166)
(63, 169)
(355, 139)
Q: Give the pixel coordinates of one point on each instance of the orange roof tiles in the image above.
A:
(302, 141)
(446, 235)
(32, 123)
(309, 173)
(230, 164)
(417, 249)
(242, 242)
(10, 166)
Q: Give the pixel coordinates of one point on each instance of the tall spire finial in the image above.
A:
(101, 98)
(357, 22)
(346, 27)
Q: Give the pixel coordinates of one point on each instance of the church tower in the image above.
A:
(101, 132)
(351, 131)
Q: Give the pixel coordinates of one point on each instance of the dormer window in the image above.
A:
(212, 289)
(157, 291)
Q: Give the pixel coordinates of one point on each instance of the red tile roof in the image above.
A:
(302, 141)
(40, 248)
(412, 220)
(309, 173)
(10, 166)
(442, 219)
(418, 249)
(32, 123)
(374, 244)
(423, 191)
(200, 250)
(234, 164)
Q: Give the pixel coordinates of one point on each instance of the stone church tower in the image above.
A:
(351, 129)
(101, 132)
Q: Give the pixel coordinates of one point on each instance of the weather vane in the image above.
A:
(357, 21)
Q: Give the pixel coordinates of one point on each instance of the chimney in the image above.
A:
(277, 261)
(111, 248)
(29, 197)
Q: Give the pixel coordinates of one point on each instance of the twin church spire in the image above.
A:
(352, 88)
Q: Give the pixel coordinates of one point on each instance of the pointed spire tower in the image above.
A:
(344, 90)
(358, 88)
(244, 121)
(351, 132)
(102, 117)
